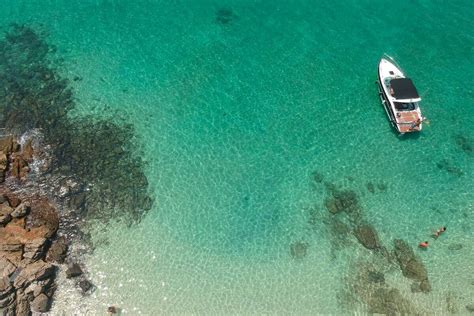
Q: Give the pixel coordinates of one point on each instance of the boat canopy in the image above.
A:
(403, 89)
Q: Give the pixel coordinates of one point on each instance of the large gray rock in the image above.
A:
(40, 304)
(58, 251)
(35, 271)
(367, 236)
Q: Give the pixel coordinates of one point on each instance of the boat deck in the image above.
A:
(405, 121)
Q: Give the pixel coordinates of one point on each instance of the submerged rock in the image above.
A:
(342, 201)
(299, 249)
(367, 236)
(455, 247)
(224, 16)
(411, 266)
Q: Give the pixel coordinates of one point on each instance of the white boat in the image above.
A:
(399, 97)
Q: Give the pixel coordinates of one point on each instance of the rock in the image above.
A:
(370, 187)
(410, 265)
(8, 299)
(21, 210)
(415, 287)
(22, 305)
(342, 201)
(40, 304)
(455, 247)
(27, 151)
(6, 267)
(112, 310)
(389, 302)
(470, 307)
(35, 271)
(13, 201)
(414, 269)
(34, 249)
(3, 161)
(3, 199)
(451, 304)
(298, 249)
(7, 144)
(5, 287)
(367, 236)
(73, 271)
(5, 219)
(85, 286)
(425, 286)
(376, 277)
(58, 250)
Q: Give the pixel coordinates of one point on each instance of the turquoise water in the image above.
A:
(234, 118)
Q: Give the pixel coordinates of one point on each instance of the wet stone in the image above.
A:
(85, 286)
(73, 271)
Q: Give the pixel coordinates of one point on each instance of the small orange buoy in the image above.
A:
(423, 244)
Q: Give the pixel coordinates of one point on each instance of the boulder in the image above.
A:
(40, 304)
(35, 271)
(74, 270)
(58, 250)
(21, 210)
(367, 236)
(470, 307)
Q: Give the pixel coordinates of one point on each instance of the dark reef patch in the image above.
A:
(299, 249)
(465, 143)
(447, 166)
(99, 155)
(225, 16)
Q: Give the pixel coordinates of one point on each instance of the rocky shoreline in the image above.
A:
(31, 250)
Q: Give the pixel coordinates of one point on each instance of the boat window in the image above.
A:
(404, 106)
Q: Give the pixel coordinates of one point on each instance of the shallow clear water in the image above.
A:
(235, 117)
